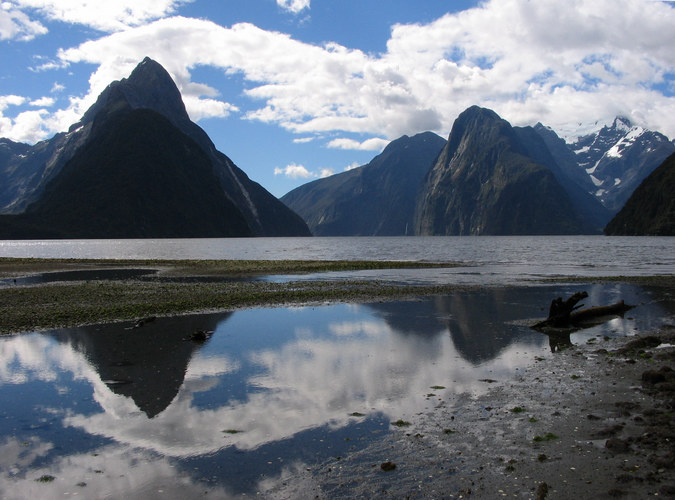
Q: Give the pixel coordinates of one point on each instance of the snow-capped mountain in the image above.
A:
(618, 158)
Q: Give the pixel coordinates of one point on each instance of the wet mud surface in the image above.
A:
(593, 421)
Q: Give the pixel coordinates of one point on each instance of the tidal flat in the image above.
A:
(39, 294)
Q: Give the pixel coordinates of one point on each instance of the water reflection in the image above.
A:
(130, 412)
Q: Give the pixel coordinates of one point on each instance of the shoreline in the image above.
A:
(178, 287)
(195, 286)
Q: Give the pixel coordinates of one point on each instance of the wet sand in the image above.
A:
(593, 421)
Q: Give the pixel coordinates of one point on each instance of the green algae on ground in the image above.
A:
(10, 267)
(76, 303)
(400, 423)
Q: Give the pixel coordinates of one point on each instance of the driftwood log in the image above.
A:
(564, 314)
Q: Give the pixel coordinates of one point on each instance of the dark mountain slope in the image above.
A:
(589, 207)
(130, 181)
(485, 182)
(148, 87)
(377, 199)
(651, 208)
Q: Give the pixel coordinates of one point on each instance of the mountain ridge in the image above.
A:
(484, 182)
(376, 199)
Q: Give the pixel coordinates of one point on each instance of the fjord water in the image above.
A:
(109, 411)
(506, 256)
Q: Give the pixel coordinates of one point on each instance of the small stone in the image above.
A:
(617, 445)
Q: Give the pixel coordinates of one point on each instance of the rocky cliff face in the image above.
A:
(651, 208)
(486, 182)
(45, 175)
(377, 199)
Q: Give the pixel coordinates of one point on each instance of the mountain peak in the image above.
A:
(149, 86)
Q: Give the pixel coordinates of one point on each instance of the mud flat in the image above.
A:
(593, 421)
(39, 294)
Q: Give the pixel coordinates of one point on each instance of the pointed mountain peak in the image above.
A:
(148, 87)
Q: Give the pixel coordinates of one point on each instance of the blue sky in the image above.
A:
(293, 90)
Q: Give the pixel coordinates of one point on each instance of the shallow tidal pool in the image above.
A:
(113, 411)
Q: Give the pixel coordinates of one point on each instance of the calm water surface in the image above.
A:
(114, 412)
(483, 259)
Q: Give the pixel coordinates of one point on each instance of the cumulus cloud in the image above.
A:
(558, 63)
(207, 108)
(43, 102)
(374, 144)
(16, 25)
(294, 6)
(26, 126)
(293, 171)
(104, 16)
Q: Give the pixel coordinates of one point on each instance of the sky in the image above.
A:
(295, 90)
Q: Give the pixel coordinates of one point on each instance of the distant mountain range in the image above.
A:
(615, 160)
(135, 166)
(377, 199)
(488, 178)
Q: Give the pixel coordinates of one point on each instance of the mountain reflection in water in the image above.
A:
(129, 412)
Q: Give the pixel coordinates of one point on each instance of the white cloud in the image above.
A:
(352, 166)
(207, 108)
(374, 144)
(10, 100)
(303, 140)
(104, 16)
(293, 171)
(43, 102)
(559, 63)
(15, 24)
(26, 126)
(294, 6)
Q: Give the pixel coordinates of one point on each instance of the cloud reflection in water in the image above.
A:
(273, 375)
